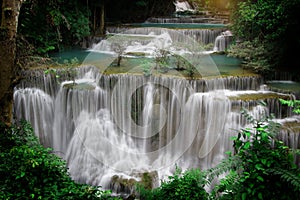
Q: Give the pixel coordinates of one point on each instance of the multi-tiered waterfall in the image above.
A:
(124, 125)
(202, 27)
(111, 127)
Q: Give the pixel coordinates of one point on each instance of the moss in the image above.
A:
(3, 33)
(258, 96)
(79, 86)
(294, 126)
(136, 54)
(148, 179)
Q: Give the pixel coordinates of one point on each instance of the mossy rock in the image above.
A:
(137, 54)
(258, 96)
(120, 184)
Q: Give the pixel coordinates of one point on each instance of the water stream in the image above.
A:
(129, 124)
(114, 127)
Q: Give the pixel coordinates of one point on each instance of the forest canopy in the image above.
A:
(267, 34)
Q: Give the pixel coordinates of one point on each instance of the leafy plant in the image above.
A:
(263, 163)
(270, 26)
(68, 70)
(30, 171)
(187, 185)
(292, 103)
(162, 59)
(255, 55)
(147, 68)
(50, 25)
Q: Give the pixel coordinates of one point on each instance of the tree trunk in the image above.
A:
(102, 20)
(8, 31)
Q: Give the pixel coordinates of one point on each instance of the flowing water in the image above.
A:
(115, 127)
(128, 124)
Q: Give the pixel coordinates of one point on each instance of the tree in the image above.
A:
(98, 9)
(272, 28)
(52, 25)
(119, 48)
(8, 71)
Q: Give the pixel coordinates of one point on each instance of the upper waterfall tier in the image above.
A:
(203, 36)
(185, 20)
(183, 6)
(50, 84)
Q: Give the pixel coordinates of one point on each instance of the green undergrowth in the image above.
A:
(30, 171)
(260, 167)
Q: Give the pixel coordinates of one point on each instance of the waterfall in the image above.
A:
(222, 41)
(36, 106)
(220, 38)
(122, 125)
(183, 6)
(202, 36)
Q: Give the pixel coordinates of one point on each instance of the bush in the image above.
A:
(264, 167)
(187, 185)
(30, 171)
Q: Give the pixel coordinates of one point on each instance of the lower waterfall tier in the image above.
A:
(113, 128)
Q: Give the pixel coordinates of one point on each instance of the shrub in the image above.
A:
(30, 171)
(265, 169)
(187, 185)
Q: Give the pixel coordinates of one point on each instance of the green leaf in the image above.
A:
(228, 153)
(260, 178)
(260, 196)
(248, 133)
(258, 167)
(264, 161)
(247, 145)
(244, 196)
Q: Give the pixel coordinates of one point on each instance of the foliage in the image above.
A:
(292, 103)
(147, 67)
(30, 171)
(137, 10)
(141, 3)
(187, 185)
(162, 59)
(119, 49)
(255, 55)
(67, 71)
(272, 25)
(266, 169)
(267, 19)
(49, 24)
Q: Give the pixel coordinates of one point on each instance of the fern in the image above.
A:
(287, 176)
(226, 187)
(248, 116)
(226, 165)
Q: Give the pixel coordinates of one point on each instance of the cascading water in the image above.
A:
(183, 6)
(222, 41)
(118, 126)
(125, 125)
(203, 36)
